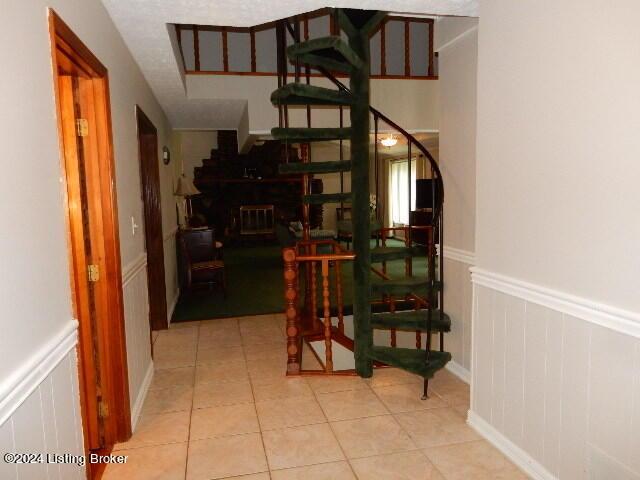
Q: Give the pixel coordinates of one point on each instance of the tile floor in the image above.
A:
(220, 407)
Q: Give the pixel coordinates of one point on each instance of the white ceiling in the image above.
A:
(144, 25)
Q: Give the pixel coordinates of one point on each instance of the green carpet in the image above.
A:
(255, 285)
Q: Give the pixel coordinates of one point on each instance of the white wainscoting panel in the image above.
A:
(42, 412)
(560, 390)
(136, 314)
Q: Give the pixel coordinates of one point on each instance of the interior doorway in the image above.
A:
(150, 177)
(84, 124)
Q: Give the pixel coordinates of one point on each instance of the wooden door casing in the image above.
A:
(154, 240)
(82, 92)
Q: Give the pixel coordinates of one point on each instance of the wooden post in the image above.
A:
(407, 49)
(196, 48)
(306, 223)
(225, 50)
(314, 291)
(431, 70)
(392, 309)
(252, 34)
(291, 310)
(327, 316)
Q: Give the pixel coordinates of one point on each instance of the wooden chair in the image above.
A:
(203, 259)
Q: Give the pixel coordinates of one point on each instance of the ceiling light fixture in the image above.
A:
(389, 141)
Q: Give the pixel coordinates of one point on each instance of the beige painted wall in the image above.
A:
(194, 146)
(556, 354)
(558, 146)
(458, 69)
(36, 296)
(411, 103)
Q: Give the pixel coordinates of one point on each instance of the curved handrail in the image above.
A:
(377, 113)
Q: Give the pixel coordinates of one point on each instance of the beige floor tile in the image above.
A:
(254, 476)
(165, 400)
(462, 410)
(453, 394)
(336, 383)
(289, 412)
(158, 430)
(351, 404)
(383, 377)
(265, 336)
(397, 466)
(218, 324)
(301, 446)
(265, 351)
(287, 387)
(220, 355)
(476, 460)
(174, 358)
(181, 325)
(154, 336)
(172, 377)
(407, 398)
(226, 457)
(267, 371)
(370, 436)
(229, 372)
(227, 420)
(222, 339)
(440, 426)
(323, 471)
(216, 394)
(163, 462)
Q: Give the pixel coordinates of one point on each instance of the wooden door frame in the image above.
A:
(111, 330)
(155, 266)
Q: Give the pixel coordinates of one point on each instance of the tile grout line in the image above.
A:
(255, 408)
(193, 394)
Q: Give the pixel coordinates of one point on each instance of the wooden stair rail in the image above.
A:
(305, 323)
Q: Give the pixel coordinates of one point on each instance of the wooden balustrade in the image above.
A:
(190, 43)
(302, 316)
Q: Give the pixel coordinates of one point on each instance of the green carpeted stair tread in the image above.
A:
(412, 320)
(310, 134)
(402, 286)
(302, 94)
(314, 167)
(320, 198)
(330, 52)
(411, 360)
(383, 254)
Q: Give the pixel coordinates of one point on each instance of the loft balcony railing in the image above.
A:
(402, 48)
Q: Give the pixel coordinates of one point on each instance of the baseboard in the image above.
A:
(514, 453)
(27, 377)
(459, 371)
(142, 395)
(172, 306)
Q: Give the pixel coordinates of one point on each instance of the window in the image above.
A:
(399, 191)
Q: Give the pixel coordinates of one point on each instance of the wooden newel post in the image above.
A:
(291, 310)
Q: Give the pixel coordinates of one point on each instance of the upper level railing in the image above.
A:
(401, 48)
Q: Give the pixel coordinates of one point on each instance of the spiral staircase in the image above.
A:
(333, 54)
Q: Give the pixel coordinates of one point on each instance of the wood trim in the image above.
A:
(109, 334)
(431, 69)
(225, 50)
(179, 38)
(407, 49)
(196, 47)
(383, 48)
(154, 240)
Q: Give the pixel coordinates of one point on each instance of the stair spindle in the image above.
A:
(327, 316)
(339, 296)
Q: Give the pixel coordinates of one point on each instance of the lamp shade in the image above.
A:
(185, 187)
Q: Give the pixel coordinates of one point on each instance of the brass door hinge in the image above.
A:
(93, 272)
(103, 409)
(82, 127)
